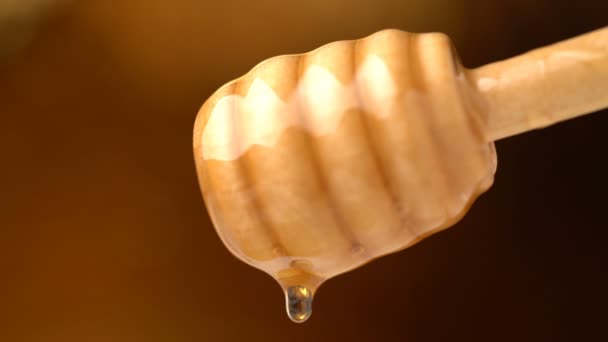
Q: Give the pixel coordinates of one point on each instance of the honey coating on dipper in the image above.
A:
(312, 165)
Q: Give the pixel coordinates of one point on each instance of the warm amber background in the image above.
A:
(104, 235)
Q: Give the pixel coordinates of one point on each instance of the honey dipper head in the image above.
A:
(314, 164)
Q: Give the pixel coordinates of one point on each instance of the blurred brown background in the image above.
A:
(103, 231)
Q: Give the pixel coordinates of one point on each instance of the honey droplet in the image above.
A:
(299, 303)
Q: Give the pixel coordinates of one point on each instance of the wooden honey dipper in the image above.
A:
(314, 164)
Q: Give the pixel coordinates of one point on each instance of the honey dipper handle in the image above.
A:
(546, 85)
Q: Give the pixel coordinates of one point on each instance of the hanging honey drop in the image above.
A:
(298, 301)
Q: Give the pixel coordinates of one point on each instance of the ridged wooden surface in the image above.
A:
(314, 164)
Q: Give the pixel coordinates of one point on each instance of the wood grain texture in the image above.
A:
(545, 86)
